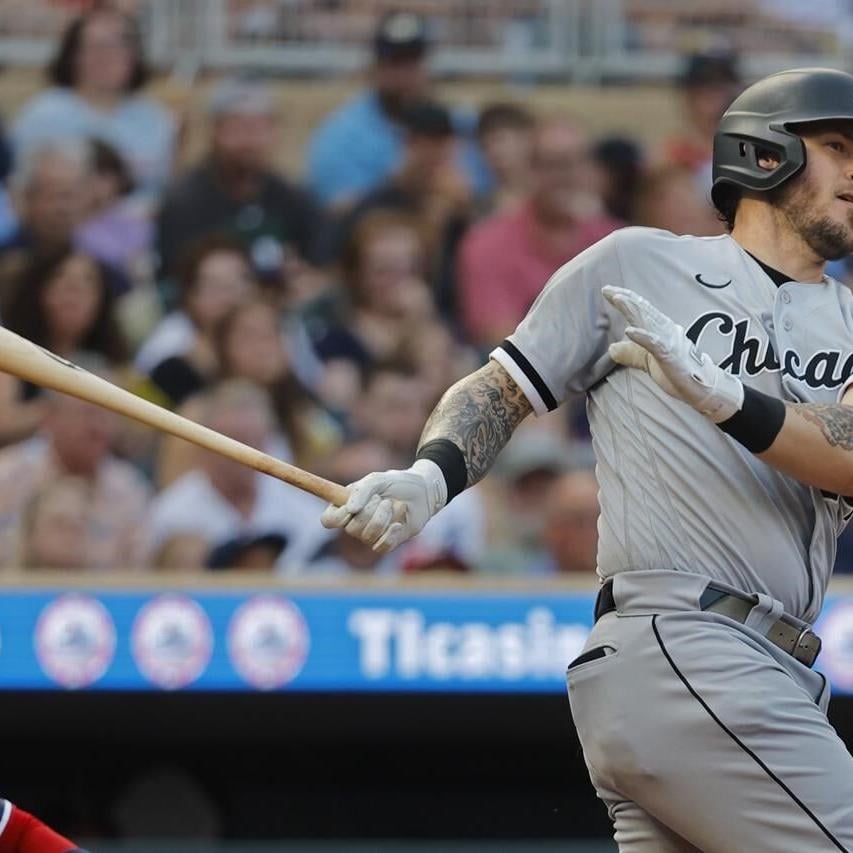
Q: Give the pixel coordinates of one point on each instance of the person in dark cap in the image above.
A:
(249, 552)
(709, 82)
(426, 185)
(361, 144)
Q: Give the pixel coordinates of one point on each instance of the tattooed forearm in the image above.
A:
(835, 422)
(479, 414)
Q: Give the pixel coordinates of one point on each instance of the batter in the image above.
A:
(702, 721)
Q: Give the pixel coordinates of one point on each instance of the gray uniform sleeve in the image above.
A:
(560, 347)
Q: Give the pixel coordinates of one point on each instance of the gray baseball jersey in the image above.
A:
(699, 733)
(676, 492)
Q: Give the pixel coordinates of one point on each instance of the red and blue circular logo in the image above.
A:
(268, 641)
(172, 641)
(75, 640)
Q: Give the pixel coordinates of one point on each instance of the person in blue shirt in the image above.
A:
(361, 144)
(97, 76)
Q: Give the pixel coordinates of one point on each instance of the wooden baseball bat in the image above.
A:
(32, 363)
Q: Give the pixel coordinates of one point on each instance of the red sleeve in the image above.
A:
(21, 832)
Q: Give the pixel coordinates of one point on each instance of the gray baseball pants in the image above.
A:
(700, 734)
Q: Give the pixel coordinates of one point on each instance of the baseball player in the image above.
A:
(21, 832)
(702, 721)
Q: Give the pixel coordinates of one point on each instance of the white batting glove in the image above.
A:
(659, 346)
(388, 508)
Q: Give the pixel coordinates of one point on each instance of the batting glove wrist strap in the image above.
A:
(758, 421)
(450, 461)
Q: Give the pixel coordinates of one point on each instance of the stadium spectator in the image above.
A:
(181, 552)
(391, 409)
(505, 260)
(570, 530)
(221, 499)
(118, 231)
(709, 83)
(7, 214)
(505, 135)
(51, 188)
(250, 553)
(360, 145)
(250, 345)
(63, 302)
(96, 76)
(620, 162)
(235, 190)
(215, 276)
(517, 499)
(437, 357)
(428, 187)
(76, 440)
(54, 526)
(384, 298)
(668, 197)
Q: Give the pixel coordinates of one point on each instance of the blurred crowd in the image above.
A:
(317, 318)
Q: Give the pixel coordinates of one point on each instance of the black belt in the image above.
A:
(800, 642)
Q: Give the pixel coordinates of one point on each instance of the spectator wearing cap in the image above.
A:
(248, 553)
(235, 190)
(427, 186)
(361, 144)
(709, 82)
(505, 261)
(97, 76)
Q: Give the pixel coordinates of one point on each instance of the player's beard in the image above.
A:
(825, 236)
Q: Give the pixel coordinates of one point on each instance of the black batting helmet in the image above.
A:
(760, 118)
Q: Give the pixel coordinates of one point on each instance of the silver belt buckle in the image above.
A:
(807, 647)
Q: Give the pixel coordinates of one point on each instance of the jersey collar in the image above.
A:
(776, 276)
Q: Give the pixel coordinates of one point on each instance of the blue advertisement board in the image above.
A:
(448, 641)
(335, 641)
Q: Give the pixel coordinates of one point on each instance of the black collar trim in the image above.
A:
(778, 278)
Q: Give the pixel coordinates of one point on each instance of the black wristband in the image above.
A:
(451, 460)
(758, 422)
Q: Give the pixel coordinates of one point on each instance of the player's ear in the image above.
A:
(767, 159)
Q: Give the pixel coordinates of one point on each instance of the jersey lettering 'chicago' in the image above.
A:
(750, 356)
(676, 492)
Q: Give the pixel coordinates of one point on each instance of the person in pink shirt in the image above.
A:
(505, 261)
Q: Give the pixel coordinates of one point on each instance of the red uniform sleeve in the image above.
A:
(21, 832)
